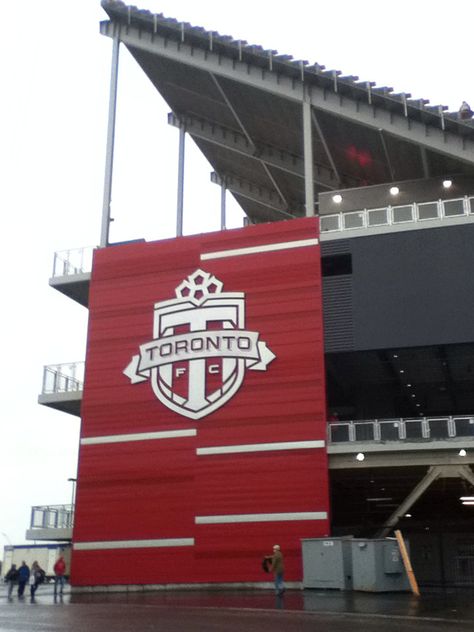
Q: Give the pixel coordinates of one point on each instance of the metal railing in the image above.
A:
(73, 261)
(52, 517)
(401, 430)
(63, 378)
(396, 215)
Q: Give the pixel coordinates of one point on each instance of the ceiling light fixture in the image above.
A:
(470, 498)
(468, 502)
(394, 190)
(462, 452)
(360, 456)
(377, 500)
(337, 199)
(447, 184)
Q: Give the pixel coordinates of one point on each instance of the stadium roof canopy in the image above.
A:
(251, 112)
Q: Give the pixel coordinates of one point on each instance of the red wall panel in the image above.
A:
(164, 488)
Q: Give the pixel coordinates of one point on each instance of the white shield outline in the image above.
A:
(224, 306)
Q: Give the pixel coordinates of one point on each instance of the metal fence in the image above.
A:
(395, 215)
(73, 261)
(419, 428)
(63, 378)
(52, 517)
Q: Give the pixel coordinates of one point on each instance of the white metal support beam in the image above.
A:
(109, 154)
(180, 201)
(308, 159)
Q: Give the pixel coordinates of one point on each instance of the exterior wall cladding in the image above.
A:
(162, 508)
(412, 288)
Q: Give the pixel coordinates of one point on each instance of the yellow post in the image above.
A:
(407, 563)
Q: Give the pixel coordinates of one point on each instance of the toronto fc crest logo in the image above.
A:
(200, 349)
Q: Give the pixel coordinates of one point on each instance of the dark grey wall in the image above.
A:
(413, 288)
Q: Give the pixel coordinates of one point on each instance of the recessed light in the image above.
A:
(447, 184)
(413, 395)
(395, 355)
(407, 515)
(337, 199)
(418, 404)
(462, 452)
(360, 456)
(402, 371)
(394, 190)
(409, 385)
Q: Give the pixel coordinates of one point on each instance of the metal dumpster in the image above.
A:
(327, 563)
(377, 566)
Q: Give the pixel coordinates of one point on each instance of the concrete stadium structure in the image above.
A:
(360, 205)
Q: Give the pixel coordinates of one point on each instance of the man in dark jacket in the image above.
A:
(11, 578)
(23, 577)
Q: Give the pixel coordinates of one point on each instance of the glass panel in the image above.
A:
(329, 222)
(364, 432)
(402, 214)
(38, 518)
(339, 432)
(464, 427)
(389, 430)
(438, 428)
(414, 429)
(453, 207)
(471, 205)
(428, 210)
(354, 220)
(377, 217)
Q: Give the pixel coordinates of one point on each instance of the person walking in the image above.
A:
(278, 569)
(23, 577)
(11, 578)
(59, 572)
(37, 577)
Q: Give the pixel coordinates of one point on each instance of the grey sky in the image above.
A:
(55, 72)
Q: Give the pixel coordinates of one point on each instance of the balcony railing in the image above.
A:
(75, 261)
(52, 517)
(401, 430)
(63, 378)
(398, 215)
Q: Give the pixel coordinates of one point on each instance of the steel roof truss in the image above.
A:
(252, 191)
(326, 146)
(235, 141)
(249, 139)
(371, 115)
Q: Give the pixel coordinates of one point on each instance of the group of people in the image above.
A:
(34, 577)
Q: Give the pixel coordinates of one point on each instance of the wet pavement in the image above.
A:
(232, 611)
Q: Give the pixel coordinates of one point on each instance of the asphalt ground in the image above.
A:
(232, 611)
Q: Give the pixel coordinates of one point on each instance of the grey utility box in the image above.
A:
(327, 563)
(377, 566)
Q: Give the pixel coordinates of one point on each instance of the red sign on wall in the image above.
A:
(203, 418)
